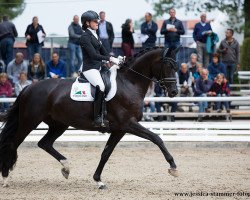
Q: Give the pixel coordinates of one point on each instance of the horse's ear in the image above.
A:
(175, 51)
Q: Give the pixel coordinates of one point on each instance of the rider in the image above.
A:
(94, 53)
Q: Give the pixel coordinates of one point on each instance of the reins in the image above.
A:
(162, 80)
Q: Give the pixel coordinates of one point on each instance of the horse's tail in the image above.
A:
(8, 150)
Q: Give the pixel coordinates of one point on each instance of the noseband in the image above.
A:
(162, 80)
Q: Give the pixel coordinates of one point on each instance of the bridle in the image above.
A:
(162, 80)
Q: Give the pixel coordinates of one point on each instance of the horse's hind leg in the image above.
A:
(56, 129)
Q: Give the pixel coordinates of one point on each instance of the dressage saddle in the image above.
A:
(105, 74)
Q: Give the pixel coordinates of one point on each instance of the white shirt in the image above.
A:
(93, 32)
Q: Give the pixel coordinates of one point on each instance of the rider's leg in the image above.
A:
(94, 77)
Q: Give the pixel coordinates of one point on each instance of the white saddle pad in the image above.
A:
(82, 91)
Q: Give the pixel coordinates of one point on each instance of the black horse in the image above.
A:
(49, 101)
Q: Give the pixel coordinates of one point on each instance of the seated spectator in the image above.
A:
(216, 67)
(150, 104)
(15, 67)
(56, 68)
(197, 74)
(2, 67)
(184, 81)
(202, 88)
(22, 83)
(5, 91)
(36, 69)
(158, 105)
(193, 63)
(220, 88)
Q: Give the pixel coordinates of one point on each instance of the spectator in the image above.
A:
(158, 105)
(216, 66)
(203, 86)
(15, 67)
(56, 68)
(184, 81)
(220, 88)
(193, 63)
(230, 49)
(106, 32)
(127, 38)
(150, 104)
(22, 83)
(149, 28)
(8, 33)
(2, 66)
(36, 69)
(197, 74)
(33, 43)
(75, 32)
(5, 91)
(201, 31)
(172, 28)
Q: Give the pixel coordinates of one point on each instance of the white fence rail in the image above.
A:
(178, 131)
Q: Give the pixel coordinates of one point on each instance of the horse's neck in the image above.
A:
(137, 77)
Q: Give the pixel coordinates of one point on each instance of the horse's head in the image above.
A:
(165, 70)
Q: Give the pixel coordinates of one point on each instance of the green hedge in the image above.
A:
(245, 55)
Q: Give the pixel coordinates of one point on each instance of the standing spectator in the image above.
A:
(216, 67)
(15, 67)
(184, 81)
(22, 83)
(203, 86)
(105, 32)
(201, 30)
(33, 44)
(75, 32)
(220, 88)
(172, 29)
(5, 91)
(36, 68)
(149, 28)
(56, 68)
(193, 63)
(8, 33)
(230, 49)
(127, 38)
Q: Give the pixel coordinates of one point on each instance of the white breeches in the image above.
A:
(94, 77)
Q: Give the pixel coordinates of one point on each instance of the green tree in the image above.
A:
(11, 8)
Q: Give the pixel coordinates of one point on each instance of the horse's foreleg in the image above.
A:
(46, 143)
(136, 129)
(111, 144)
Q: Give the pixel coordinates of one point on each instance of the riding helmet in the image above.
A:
(89, 16)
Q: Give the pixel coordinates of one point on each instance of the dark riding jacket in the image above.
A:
(93, 51)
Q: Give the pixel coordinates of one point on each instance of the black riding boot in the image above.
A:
(100, 109)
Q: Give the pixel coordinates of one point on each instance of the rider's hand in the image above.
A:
(121, 59)
(114, 60)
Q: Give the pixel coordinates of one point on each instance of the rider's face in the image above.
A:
(94, 24)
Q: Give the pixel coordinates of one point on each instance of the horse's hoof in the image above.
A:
(173, 172)
(5, 182)
(101, 186)
(65, 173)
